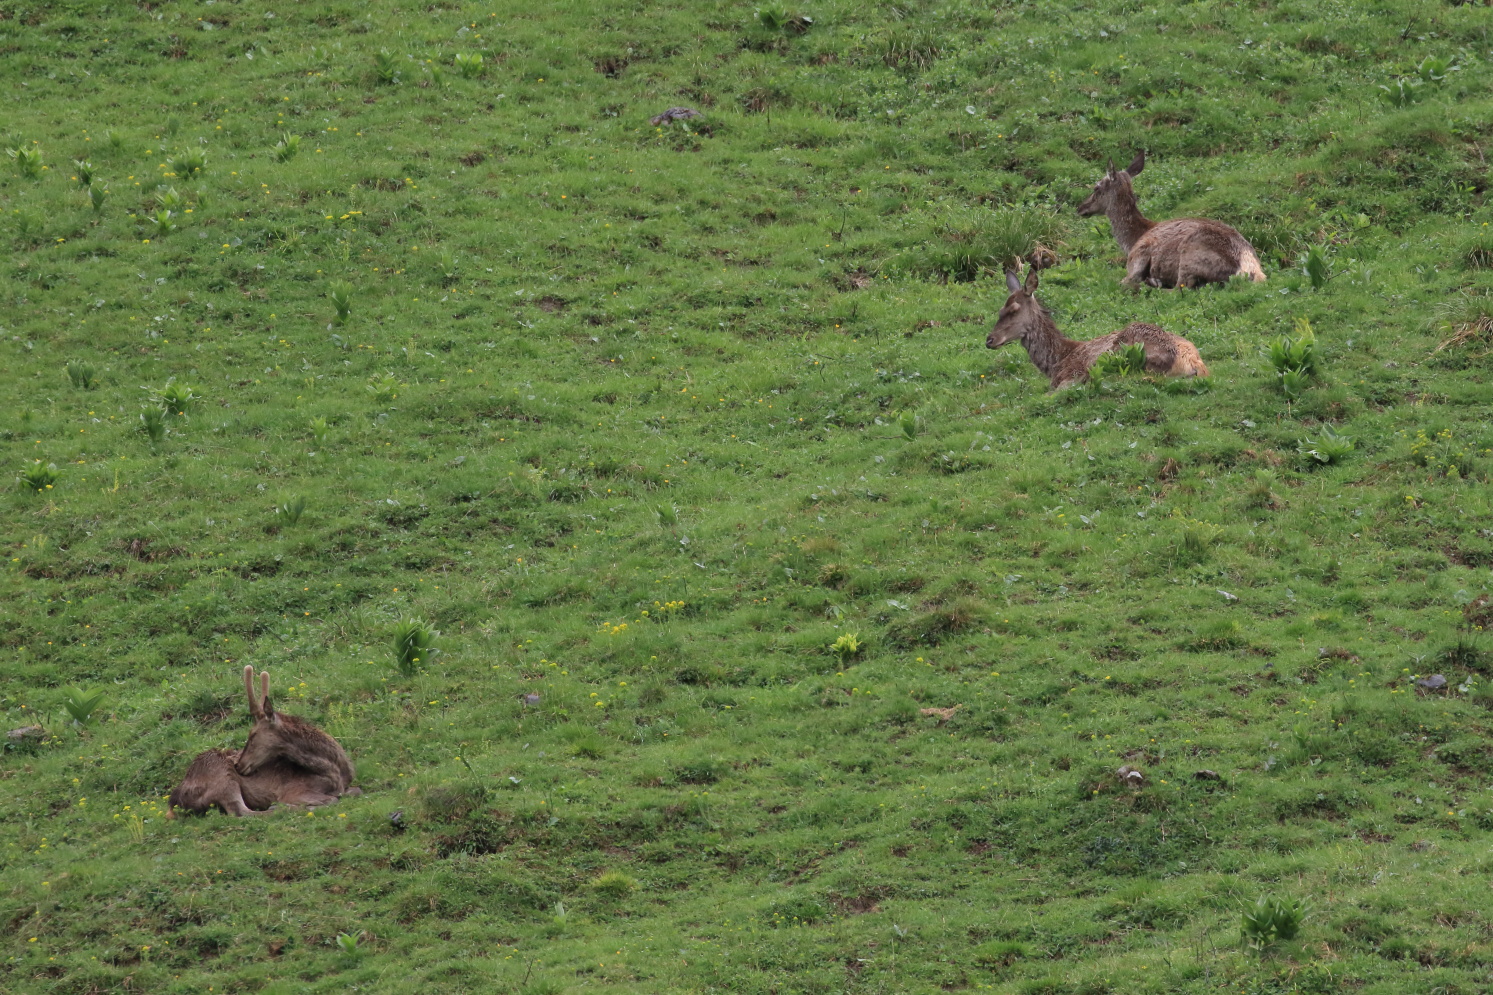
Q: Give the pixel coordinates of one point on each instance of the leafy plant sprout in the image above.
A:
(1402, 92)
(386, 67)
(27, 160)
(469, 65)
(448, 267)
(319, 430)
(340, 292)
(169, 198)
(176, 398)
(81, 705)
(113, 139)
(190, 162)
(1270, 920)
(82, 374)
(1294, 383)
(83, 170)
(1329, 448)
(1296, 352)
(287, 147)
(96, 196)
(291, 509)
(909, 423)
(1295, 359)
(153, 424)
(38, 477)
(163, 222)
(414, 644)
(347, 945)
(1123, 362)
(1316, 266)
(846, 647)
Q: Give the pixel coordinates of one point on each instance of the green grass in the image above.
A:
(643, 420)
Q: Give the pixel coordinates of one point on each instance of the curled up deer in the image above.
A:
(1183, 252)
(1066, 361)
(286, 760)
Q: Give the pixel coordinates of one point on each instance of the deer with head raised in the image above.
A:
(1183, 252)
(1066, 361)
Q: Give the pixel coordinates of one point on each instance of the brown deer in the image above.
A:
(277, 737)
(286, 760)
(1183, 252)
(213, 781)
(1065, 361)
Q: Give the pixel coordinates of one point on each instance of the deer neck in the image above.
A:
(1126, 220)
(1046, 346)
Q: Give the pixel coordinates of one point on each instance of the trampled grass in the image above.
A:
(325, 319)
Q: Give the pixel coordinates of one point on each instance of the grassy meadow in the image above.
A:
(321, 318)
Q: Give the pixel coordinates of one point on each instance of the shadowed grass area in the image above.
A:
(328, 324)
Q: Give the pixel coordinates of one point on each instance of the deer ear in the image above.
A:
(265, 707)
(254, 707)
(1013, 282)
(1111, 170)
(1031, 282)
(1137, 164)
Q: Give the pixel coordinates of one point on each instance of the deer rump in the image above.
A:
(1187, 252)
(213, 781)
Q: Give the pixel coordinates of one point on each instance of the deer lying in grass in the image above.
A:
(1183, 252)
(1067, 362)
(213, 780)
(285, 738)
(286, 760)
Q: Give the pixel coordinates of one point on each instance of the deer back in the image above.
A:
(1189, 251)
(280, 781)
(1166, 354)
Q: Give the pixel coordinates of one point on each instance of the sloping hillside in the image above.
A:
(325, 317)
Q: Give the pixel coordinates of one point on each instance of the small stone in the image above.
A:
(1207, 775)
(674, 114)
(1131, 776)
(1433, 683)
(531, 699)
(942, 714)
(397, 820)
(26, 732)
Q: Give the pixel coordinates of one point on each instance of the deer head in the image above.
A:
(1114, 183)
(1020, 315)
(266, 739)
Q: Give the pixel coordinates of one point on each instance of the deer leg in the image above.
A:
(1137, 269)
(232, 803)
(307, 796)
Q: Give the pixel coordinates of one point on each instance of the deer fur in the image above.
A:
(287, 760)
(1183, 252)
(212, 781)
(277, 737)
(1066, 361)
